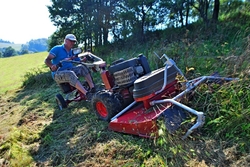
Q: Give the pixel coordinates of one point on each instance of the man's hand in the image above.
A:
(84, 59)
(53, 67)
(90, 58)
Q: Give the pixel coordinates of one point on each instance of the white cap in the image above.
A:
(71, 37)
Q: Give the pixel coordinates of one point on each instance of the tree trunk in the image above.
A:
(216, 10)
(187, 14)
(181, 18)
(142, 37)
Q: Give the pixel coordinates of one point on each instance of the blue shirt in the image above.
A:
(61, 53)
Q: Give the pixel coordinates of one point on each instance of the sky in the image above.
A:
(24, 20)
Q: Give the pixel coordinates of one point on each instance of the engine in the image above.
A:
(124, 73)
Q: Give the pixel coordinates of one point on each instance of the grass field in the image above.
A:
(34, 132)
(14, 68)
(17, 47)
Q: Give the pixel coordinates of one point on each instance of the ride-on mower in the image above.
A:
(134, 97)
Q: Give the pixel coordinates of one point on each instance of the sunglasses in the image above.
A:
(72, 41)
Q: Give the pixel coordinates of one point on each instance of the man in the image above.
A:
(68, 73)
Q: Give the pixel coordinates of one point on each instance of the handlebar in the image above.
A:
(96, 63)
(89, 56)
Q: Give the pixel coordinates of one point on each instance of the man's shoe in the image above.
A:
(89, 96)
(92, 90)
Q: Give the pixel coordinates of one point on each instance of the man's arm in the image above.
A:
(49, 63)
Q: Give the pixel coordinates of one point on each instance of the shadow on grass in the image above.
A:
(73, 135)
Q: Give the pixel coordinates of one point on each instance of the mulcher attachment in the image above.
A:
(160, 96)
(173, 118)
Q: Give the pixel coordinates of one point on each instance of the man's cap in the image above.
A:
(71, 37)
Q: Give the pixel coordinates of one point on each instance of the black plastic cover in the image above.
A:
(153, 81)
(140, 60)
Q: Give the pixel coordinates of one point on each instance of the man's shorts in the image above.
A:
(71, 75)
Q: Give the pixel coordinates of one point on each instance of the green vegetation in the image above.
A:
(8, 49)
(14, 46)
(33, 132)
(128, 21)
(13, 69)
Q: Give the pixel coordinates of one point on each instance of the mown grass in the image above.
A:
(35, 133)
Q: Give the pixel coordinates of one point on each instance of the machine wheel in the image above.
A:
(106, 105)
(61, 102)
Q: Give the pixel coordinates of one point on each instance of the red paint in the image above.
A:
(141, 119)
(107, 80)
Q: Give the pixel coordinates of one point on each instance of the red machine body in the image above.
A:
(137, 116)
(134, 97)
(141, 119)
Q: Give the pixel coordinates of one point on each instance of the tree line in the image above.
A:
(95, 21)
(33, 46)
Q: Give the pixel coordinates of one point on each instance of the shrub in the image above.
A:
(37, 78)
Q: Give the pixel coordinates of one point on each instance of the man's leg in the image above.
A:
(88, 78)
(71, 78)
(80, 87)
(83, 71)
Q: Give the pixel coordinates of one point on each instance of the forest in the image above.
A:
(101, 22)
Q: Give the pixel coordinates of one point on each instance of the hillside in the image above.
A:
(34, 132)
(17, 47)
(33, 46)
(14, 69)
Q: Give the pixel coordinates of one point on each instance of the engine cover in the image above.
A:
(125, 77)
(126, 72)
(153, 81)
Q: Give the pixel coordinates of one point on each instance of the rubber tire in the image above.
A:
(106, 105)
(61, 102)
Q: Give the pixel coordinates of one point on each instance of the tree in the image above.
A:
(24, 49)
(89, 20)
(38, 45)
(22, 52)
(202, 7)
(178, 10)
(216, 10)
(144, 17)
(134, 18)
(92, 20)
(55, 39)
(9, 51)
